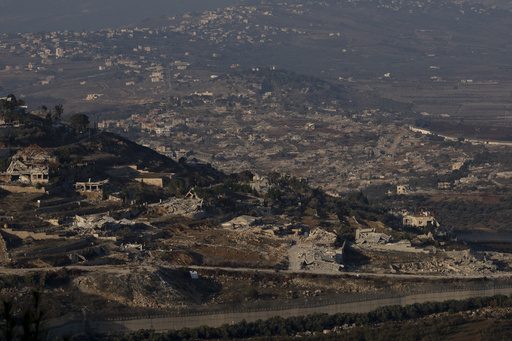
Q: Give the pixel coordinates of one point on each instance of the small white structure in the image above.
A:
(401, 190)
(424, 218)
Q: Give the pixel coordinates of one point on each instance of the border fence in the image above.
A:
(215, 316)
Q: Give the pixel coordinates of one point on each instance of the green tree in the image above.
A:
(79, 121)
(274, 193)
(4, 164)
(177, 187)
(245, 176)
(12, 99)
(59, 110)
(31, 320)
(9, 330)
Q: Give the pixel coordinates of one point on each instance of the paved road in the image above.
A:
(367, 274)
(126, 269)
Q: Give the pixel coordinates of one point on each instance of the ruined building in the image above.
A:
(423, 218)
(29, 166)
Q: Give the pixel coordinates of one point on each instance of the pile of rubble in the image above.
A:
(189, 207)
(321, 237)
(316, 252)
(98, 225)
(371, 240)
(318, 258)
(456, 262)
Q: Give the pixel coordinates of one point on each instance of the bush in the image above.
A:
(253, 293)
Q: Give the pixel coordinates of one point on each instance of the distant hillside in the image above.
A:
(440, 57)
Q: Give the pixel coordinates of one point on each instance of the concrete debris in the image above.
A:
(322, 237)
(469, 266)
(371, 237)
(131, 247)
(241, 222)
(98, 226)
(318, 258)
(190, 207)
(76, 258)
(260, 183)
(315, 252)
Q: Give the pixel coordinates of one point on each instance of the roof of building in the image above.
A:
(34, 153)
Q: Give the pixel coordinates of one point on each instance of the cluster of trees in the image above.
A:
(278, 326)
(80, 122)
(286, 194)
(294, 197)
(429, 329)
(473, 212)
(6, 107)
(30, 320)
(36, 129)
(503, 158)
(52, 116)
(177, 187)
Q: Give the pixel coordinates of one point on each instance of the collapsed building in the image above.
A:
(260, 183)
(371, 237)
(29, 166)
(372, 240)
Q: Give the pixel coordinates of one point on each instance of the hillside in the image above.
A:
(103, 226)
(90, 14)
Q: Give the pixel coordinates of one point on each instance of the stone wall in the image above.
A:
(34, 235)
(159, 182)
(21, 189)
(4, 255)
